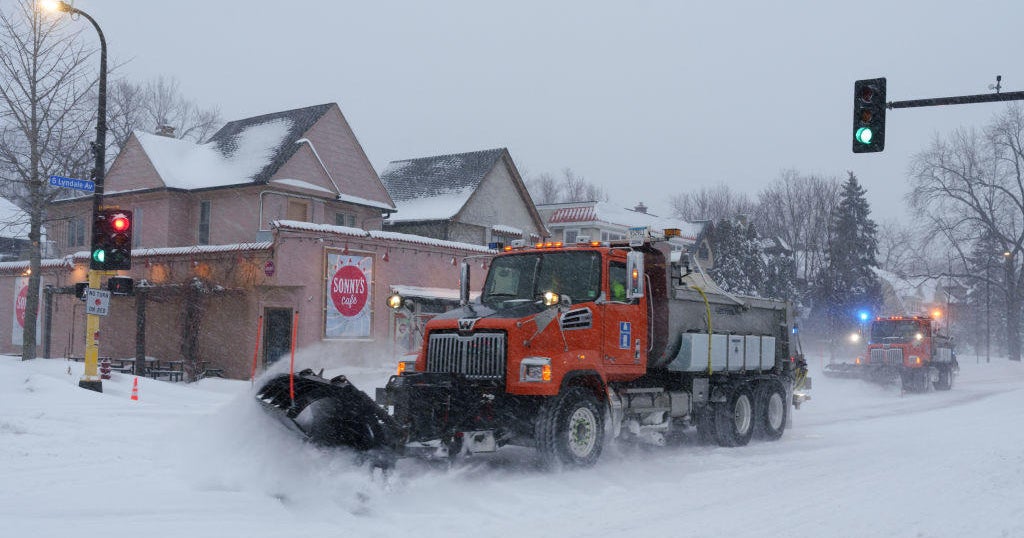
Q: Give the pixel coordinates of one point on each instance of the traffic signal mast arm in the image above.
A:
(958, 100)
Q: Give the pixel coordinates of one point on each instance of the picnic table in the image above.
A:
(172, 370)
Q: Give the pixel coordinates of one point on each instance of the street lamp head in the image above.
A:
(53, 6)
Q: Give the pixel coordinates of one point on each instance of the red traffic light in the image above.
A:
(120, 223)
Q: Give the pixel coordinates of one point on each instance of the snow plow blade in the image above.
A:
(846, 370)
(331, 412)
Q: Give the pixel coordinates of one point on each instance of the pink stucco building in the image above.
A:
(272, 229)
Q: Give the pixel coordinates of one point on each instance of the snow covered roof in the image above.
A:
(376, 234)
(19, 267)
(186, 165)
(444, 294)
(608, 213)
(243, 151)
(237, 137)
(197, 249)
(508, 230)
(432, 188)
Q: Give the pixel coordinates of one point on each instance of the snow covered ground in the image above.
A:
(202, 460)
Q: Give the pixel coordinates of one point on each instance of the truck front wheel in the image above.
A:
(734, 418)
(570, 429)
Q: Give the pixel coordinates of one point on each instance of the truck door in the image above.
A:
(625, 329)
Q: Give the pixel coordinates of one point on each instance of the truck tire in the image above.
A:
(772, 410)
(570, 429)
(734, 419)
(945, 381)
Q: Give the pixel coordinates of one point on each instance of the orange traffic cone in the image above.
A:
(135, 389)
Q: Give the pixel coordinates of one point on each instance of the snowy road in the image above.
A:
(203, 460)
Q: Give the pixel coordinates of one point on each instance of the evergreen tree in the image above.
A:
(780, 276)
(849, 283)
(739, 264)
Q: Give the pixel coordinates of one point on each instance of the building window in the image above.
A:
(608, 236)
(345, 219)
(297, 210)
(204, 222)
(76, 232)
(570, 236)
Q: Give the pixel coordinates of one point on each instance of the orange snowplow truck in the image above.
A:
(908, 351)
(565, 343)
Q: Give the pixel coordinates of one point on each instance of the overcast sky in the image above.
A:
(645, 98)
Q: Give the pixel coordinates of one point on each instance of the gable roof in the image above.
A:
(437, 187)
(233, 138)
(243, 151)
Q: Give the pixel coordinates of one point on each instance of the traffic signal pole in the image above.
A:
(90, 378)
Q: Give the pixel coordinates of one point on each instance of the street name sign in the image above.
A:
(72, 183)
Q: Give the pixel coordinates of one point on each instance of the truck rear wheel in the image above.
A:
(734, 419)
(570, 429)
(772, 410)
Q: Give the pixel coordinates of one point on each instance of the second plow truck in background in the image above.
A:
(564, 344)
(909, 352)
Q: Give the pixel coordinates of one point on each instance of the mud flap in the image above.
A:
(331, 413)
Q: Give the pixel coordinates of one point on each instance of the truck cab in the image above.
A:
(600, 329)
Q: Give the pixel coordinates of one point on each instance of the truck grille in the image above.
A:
(478, 356)
(891, 356)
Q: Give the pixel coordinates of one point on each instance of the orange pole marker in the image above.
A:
(135, 390)
(256, 352)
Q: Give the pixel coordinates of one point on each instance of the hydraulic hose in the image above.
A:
(707, 310)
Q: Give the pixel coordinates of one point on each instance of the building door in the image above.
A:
(277, 334)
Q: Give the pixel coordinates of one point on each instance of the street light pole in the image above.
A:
(988, 313)
(90, 378)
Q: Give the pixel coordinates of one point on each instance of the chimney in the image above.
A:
(640, 208)
(165, 130)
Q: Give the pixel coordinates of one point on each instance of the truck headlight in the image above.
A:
(535, 370)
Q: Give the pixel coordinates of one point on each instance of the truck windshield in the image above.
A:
(902, 330)
(525, 277)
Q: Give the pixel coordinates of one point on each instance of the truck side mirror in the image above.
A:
(634, 274)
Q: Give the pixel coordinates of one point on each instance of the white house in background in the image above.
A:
(574, 222)
(476, 197)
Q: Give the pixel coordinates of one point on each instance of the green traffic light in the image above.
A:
(863, 135)
(99, 255)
